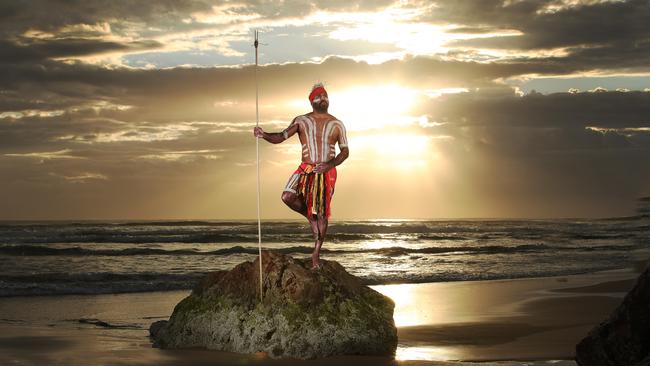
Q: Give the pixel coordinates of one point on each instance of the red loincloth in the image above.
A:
(316, 189)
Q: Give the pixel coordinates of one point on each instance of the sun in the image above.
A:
(364, 108)
(380, 124)
(370, 107)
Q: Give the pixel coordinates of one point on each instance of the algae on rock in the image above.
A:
(304, 314)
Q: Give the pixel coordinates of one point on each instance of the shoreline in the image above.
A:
(372, 284)
(505, 322)
(637, 265)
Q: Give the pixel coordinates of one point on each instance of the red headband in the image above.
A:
(316, 92)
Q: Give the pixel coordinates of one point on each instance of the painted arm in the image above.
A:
(340, 158)
(277, 137)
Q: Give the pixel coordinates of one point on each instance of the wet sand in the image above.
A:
(506, 322)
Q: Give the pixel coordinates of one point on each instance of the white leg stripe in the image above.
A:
(292, 181)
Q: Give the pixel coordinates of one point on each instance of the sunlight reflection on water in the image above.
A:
(406, 312)
(424, 353)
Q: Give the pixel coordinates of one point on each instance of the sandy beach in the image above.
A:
(531, 321)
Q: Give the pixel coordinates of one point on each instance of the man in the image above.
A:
(310, 189)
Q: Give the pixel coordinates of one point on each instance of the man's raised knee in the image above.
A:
(288, 197)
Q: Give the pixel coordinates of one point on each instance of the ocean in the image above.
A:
(90, 257)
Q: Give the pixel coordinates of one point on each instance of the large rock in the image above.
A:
(305, 313)
(624, 338)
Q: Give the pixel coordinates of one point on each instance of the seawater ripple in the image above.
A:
(91, 257)
(38, 250)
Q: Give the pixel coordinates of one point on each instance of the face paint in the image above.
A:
(318, 99)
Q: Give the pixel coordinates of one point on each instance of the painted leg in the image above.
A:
(314, 229)
(321, 225)
(295, 203)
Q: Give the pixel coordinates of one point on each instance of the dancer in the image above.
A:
(310, 188)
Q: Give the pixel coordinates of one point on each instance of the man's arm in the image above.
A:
(277, 137)
(338, 159)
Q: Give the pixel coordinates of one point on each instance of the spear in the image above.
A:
(257, 149)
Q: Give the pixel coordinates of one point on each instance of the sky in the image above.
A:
(144, 110)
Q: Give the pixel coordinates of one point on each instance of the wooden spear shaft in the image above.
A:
(257, 149)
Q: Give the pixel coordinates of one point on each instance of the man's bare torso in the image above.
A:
(318, 136)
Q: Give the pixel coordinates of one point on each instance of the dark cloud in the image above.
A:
(609, 35)
(51, 15)
(11, 53)
(589, 24)
(536, 124)
(46, 15)
(502, 107)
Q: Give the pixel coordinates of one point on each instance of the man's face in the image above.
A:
(321, 101)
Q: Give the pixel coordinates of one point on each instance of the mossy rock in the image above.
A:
(304, 313)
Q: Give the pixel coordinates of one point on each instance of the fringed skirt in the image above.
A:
(316, 189)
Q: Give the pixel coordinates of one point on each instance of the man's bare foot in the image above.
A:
(315, 261)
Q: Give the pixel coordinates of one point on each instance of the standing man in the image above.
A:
(310, 189)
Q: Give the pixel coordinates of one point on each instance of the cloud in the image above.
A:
(46, 155)
(11, 53)
(66, 118)
(570, 23)
(52, 16)
(188, 155)
(586, 30)
(81, 178)
(503, 107)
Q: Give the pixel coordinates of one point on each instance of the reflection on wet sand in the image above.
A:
(523, 319)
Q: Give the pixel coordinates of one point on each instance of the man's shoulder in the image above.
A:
(299, 118)
(334, 119)
(337, 121)
(309, 116)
